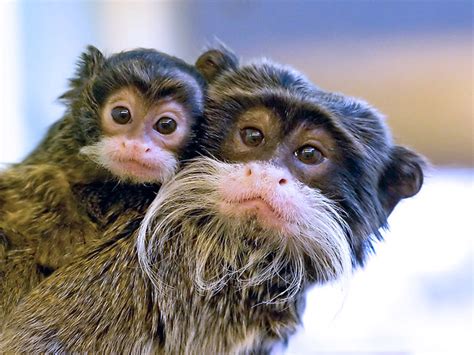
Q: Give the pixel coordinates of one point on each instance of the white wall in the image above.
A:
(149, 24)
(11, 123)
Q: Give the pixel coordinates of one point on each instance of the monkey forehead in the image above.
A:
(361, 121)
(154, 74)
(185, 80)
(151, 59)
(259, 75)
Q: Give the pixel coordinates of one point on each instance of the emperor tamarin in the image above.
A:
(128, 120)
(293, 189)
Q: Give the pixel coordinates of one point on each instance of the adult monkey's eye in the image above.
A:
(166, 125)
(309, 155)
(121, 115)
(251, 136)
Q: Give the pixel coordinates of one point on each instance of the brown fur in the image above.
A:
(111, 306)
(45, 219)
(193, 281)
(58, 200)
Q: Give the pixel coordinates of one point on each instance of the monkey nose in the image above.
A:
(255, 173)
(140, 148)
(136, 147)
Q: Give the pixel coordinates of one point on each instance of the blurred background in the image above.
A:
(412, 59)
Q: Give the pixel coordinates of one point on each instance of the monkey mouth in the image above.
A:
(137, 169)
(256, 207)
(139, 163)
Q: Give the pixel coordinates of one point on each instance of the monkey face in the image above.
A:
(142, 140)
(297, 187)
(135, 112)
(270, 185)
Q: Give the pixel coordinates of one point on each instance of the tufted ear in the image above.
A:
(402, 177)
(215, 61)
(90, 63)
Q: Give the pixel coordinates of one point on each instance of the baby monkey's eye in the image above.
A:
(251, 136)
(166, 125)
(121, 115)
(309, 155)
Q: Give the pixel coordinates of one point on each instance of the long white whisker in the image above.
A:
(183, 224)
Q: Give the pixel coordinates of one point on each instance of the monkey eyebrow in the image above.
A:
(116, 99)
(175, 83)
(336, 128)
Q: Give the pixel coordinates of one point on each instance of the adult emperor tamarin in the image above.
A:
(296, 184)
(129, 118)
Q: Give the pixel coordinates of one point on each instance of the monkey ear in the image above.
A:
(402, 178)
(215, 61)
(89, 64)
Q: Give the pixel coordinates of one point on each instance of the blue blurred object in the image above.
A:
(54, 33)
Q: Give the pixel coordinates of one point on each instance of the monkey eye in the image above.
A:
(121, 115)
(309, 155)
(251, 136)
(165, 125)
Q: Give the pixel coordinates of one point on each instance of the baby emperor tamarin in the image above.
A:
(296, 184)
(128, 120)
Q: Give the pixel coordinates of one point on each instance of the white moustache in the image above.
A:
(105, 154)
(219, 249)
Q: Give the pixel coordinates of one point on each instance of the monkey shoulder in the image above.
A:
(40, 182)
(35, 196)
(39, 210)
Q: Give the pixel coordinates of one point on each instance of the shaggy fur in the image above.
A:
(191, 280)
(59, 199)
(218, 248)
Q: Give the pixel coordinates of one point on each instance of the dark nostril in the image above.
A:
(248, 172)
(283, 181)
(147, 150)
